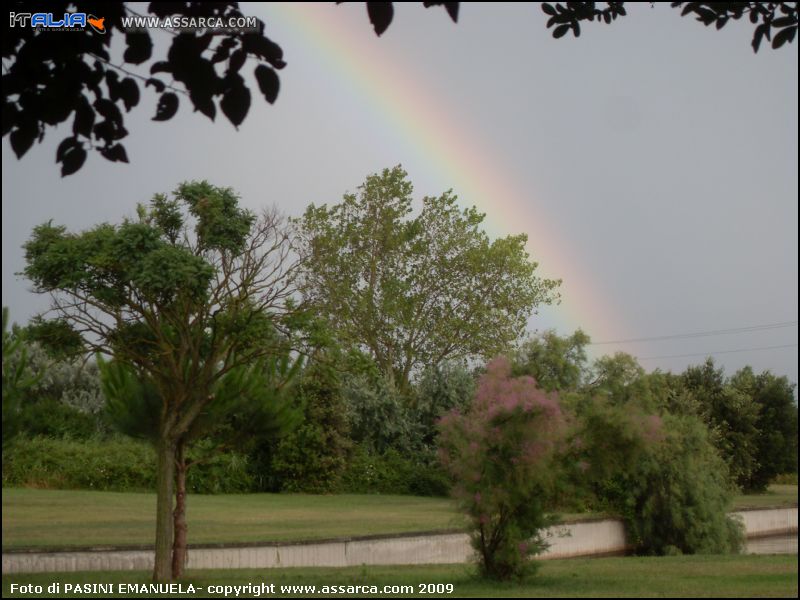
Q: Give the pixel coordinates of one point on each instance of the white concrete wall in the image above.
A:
(769, 521)
(575, 539)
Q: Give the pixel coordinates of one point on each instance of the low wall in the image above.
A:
(768, 521)
(586, 538)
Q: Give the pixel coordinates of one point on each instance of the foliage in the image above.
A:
(70, 380)
(731, 415)
(49, 78)
(118, 465)
(501, 453)
(115, 464)
(781, 16)
(608, 440)
(440, 389)
(415, 291)
(556, 363)
(776, 443)
(50, 417)
(215, 472)
(379, 417)
(249, 402)
(676, 498)
(60, 341)
(313, 455)
(191, 294)
(390, 472)
(17, 379)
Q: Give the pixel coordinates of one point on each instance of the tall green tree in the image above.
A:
(193, 289)
(17, 378)
(416, 290)
(731, 414)
(776, 442)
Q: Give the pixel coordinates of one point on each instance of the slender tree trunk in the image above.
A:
(180, 553)
(165, 490)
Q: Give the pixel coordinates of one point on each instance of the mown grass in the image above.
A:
(679, 576)
(777, 495)
(62, 518)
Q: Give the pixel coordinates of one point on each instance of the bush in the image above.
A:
(119, 465)
(379, 417)
(392, 473)
(114, 465)
(50, 417)
(677, 499)
(221, 473)
(439, 390)
(502, 455)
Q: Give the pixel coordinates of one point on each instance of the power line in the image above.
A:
(696, 334)
(719, 352)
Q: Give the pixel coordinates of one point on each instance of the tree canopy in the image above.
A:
(415, 291)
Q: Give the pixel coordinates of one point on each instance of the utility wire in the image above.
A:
(696, 334)
(719, 352)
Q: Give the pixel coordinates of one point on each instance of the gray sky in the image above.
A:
(652, 162)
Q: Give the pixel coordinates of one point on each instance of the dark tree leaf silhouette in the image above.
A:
(50, 77)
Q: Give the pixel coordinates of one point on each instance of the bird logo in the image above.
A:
(97, 23)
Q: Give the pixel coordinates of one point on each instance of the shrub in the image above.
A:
(502, 454)
(392, 473)
(220, 473)
(50, 417)
(379, 417)
(677, 498)
(113, 465)
(117, 464)
(439, 390)
(785, 479)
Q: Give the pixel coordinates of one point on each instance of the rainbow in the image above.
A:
(421, 126)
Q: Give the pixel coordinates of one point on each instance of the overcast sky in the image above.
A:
(652, 162)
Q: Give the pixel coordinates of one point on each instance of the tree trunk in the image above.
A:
(180, 553)
(165, 490)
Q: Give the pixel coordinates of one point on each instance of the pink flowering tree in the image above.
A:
(503, 453)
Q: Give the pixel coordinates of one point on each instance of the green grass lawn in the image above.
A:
(678, 576)
(776, 495)
(60, 518)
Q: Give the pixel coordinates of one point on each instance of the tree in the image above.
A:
(17, 378)
(556, 363)
(192, 290)
(250, 403)
(415, 291)
(49, 78)
(776, 442)
(312, 457)
(501, 453)
(730, 414)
